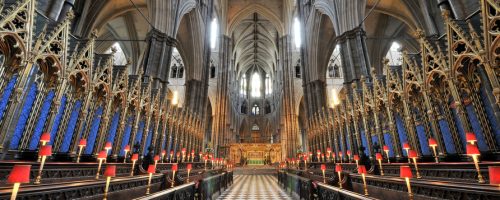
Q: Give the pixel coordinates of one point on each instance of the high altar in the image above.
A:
(255, 153)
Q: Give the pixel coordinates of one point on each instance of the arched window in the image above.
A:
(331, 73)
(255, 110)
(181, 71)
(212, 71)
(296, 33)
(213, 33)
(394, 55)
(334, 70)
(268, 85)
(119, 57)
(297, 71)
(255, 127)
(243, 85)
(244, 107)
(173, 74)
(256, 85)
(268, 107)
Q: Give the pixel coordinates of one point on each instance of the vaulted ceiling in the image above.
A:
(129, 30)
(255, 43)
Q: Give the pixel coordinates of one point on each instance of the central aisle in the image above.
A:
(255, 187)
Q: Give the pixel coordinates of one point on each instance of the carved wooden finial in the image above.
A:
(419, 33)
(446, 14)
(94, 34)
(70, 15)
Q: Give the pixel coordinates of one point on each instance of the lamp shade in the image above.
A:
(348, 152)
(494, 172)
(318, 151)
(472, 150)
(151, 169)
(45, 137)
(135, 157)
(110, 171)
(406, 145)
(127, 148)
(108, 145)
(192, 151)
(189, 166)
(378, 156)
(82, 143)
(305, 158)
(156, 158)
(174, 167)
(205, 158)
(432, 142)
(328, 149)
(405, 172)
(102, 155)
(183, 150)
(362, 169)
(356, 157)
(340, 153)
(171, 152)
(163, 152)
(470, 137)
(338, 168)
(386, 148)
(323, 167)
(45, 150)
(412, 154)
(19, 174)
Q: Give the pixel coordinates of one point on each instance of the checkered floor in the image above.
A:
(254, 187)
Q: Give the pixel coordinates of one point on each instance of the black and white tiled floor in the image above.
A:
(255, 187)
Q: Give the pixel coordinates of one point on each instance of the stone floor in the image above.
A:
(255, 187)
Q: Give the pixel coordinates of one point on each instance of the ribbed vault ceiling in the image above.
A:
(255, 44)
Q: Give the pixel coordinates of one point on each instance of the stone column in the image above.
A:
(222, 106)
(290, 128)
(157, 58)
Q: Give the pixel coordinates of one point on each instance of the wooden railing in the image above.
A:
(185, 192)
(455, 172)
(441, 181)
(120, 188)
(67, 171)
(305, 188)
(200, 190)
